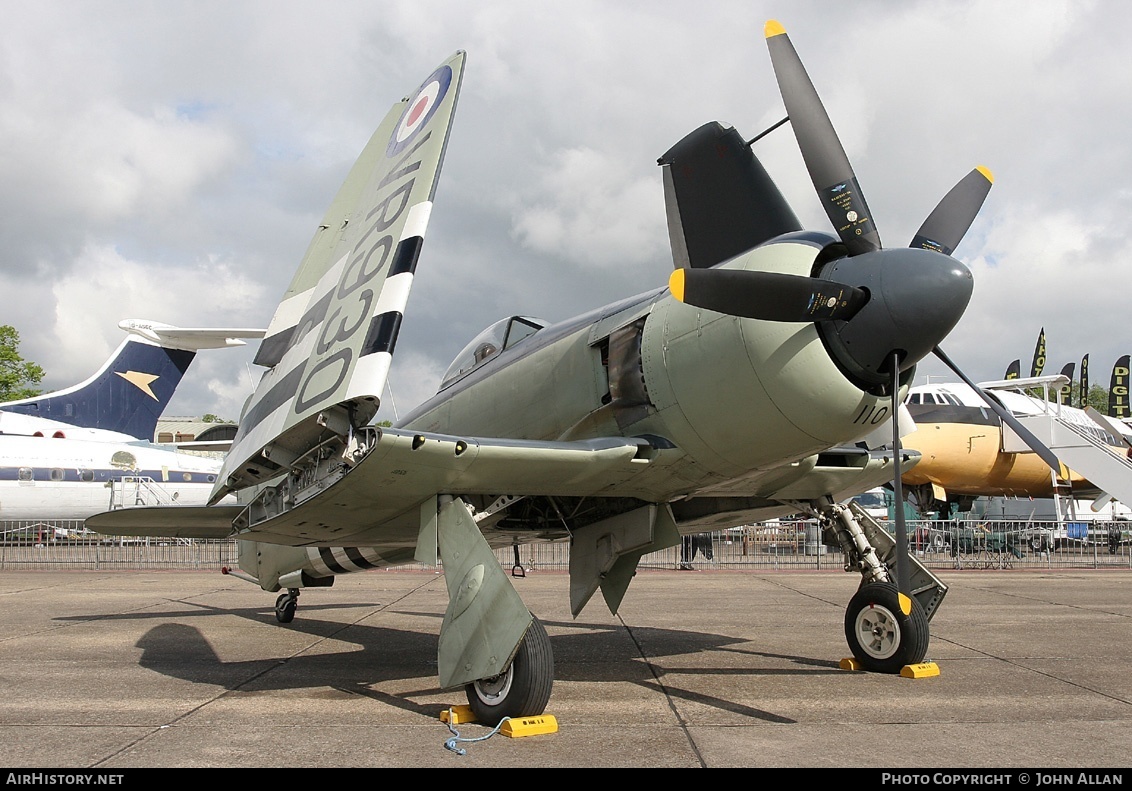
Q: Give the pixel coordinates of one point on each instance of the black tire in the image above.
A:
(285, 607)
(523, 689)
(880, 635)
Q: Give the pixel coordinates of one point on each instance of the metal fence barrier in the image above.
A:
(786, 545)
(66, 544)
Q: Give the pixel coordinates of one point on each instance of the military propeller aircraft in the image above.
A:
(735, 394)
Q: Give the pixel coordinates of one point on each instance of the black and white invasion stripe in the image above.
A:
(328, 561)
(376, 355)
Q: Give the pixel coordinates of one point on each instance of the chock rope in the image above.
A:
(456, 738)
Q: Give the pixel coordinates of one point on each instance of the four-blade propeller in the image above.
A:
(875, 307)
(880, 310)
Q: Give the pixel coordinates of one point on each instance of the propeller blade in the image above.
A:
(825, 159)
(772, 296)
(1035, 444)
(945, 226)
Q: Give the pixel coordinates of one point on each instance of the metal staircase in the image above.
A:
(1079, 448)
(134, 490)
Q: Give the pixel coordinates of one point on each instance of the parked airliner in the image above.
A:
(74, 452)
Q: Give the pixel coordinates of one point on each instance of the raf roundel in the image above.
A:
(419, 110)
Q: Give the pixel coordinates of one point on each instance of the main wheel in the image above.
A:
(885, 629)
(523, 689)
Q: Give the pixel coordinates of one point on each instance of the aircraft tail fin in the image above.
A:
(719, 199)
(330, 343)
(129, 393)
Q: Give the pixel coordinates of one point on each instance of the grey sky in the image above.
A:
(170, 161)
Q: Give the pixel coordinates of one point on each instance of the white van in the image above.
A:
(876, 502)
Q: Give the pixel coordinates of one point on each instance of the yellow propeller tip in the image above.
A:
(773, 28)
(676, 284)
(986, 173)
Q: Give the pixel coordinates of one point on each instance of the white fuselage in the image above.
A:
(45, 478)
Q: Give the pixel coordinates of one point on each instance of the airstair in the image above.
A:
(133, 490)
(1080, 448)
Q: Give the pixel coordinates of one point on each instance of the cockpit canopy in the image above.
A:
(501, 335)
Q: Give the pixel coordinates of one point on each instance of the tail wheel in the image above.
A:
(881, 635)
(523, 689)
(285, 607)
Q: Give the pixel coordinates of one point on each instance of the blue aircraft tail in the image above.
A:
(132, 389)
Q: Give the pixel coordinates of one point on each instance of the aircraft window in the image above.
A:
(521, 328)
(25, 474)
(503, 334)
(56, 474)
(952, 400)
(914, 398)
(86, 475)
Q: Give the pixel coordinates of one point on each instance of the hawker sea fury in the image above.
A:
(737, 393)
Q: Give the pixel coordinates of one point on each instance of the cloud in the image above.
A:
(587, 206)
(193, 148)
(107, 287)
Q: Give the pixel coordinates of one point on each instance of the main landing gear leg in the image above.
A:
(490, 643)
(885, 628)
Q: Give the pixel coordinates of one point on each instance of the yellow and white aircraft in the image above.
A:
(735, 394)
(965, 453)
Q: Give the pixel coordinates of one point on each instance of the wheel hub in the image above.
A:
(880, 632)
(491, 690)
